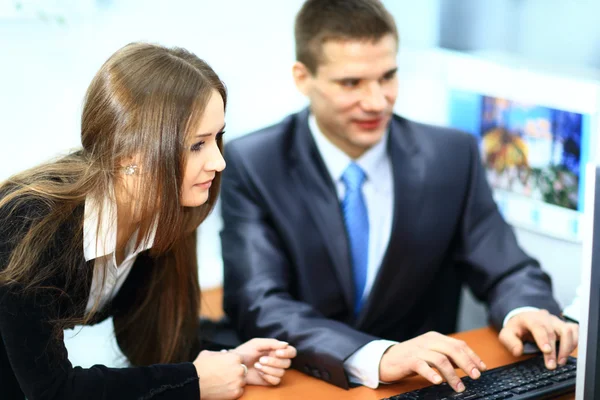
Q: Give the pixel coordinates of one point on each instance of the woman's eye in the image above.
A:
(197, 146)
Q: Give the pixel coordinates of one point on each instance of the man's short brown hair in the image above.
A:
(321, 20)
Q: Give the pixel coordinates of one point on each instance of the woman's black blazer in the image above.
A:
(35, 364)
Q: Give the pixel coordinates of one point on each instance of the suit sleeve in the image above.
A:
(258, 284)
(39, 360)
(495, 267)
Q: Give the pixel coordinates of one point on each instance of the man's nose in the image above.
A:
(374, 98)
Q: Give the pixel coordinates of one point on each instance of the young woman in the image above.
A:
(109, 230)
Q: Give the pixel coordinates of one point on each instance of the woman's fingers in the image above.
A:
(275, 362)
(288, 352)
(278, 372)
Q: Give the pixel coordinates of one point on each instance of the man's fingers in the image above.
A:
(510, 338)
(422, 368)
(444, 366)
(476, 359)
(543, 334)
(566, 346)
(568, 340)
(458, 352)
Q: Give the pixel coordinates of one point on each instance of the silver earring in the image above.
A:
(130, 169)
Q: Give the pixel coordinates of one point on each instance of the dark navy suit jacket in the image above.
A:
(287, 263)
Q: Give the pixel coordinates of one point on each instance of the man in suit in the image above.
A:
(349, 230)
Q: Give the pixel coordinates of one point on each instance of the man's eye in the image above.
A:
(389, 76)
(349, 83)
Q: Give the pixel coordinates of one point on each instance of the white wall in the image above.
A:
(473, 24)
(560, 32)
(549, 31)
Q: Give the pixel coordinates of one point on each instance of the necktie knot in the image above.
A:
(353, 177)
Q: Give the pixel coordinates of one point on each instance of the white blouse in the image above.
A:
(101, 248)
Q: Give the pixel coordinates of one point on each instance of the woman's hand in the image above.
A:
(266, 359)
(221, 375)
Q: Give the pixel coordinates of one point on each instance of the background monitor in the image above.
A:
(537, 131)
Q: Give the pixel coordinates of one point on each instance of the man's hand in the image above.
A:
(545, 329)
(431, 350)
(266, 359)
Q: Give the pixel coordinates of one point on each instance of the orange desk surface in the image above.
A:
(296, 385)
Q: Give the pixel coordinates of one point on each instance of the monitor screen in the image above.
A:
(533, 156)
(536, 131)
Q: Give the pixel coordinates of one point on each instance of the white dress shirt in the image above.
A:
(102, 249)
(378, 191)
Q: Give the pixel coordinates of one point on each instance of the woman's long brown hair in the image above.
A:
(143, 101)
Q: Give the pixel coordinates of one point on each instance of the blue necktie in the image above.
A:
(356, 219)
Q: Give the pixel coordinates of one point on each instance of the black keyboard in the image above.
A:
(523, 380)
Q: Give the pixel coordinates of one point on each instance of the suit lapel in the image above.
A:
(318, 192)
(408, 174)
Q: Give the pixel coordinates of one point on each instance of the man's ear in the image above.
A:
(302, 77)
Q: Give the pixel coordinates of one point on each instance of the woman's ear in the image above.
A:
(129, 170)
(129, 165)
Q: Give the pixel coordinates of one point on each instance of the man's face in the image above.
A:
(353, 91)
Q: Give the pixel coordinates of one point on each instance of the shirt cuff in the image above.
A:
(517, 311)
(573, 311)
(363, 366)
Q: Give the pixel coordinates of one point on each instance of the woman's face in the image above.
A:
(204, 159)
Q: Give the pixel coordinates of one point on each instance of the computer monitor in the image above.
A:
(537, 130)
(588, 363)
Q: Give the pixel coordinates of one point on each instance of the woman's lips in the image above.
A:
(204, 185)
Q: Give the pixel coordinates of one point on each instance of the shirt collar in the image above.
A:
(95, 246)
(336, 161)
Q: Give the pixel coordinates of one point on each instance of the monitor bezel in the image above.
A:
(588, 386)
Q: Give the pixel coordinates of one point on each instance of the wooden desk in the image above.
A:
(296, 385)
(211, 303)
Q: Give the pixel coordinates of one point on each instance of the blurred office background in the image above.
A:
(50, 50)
